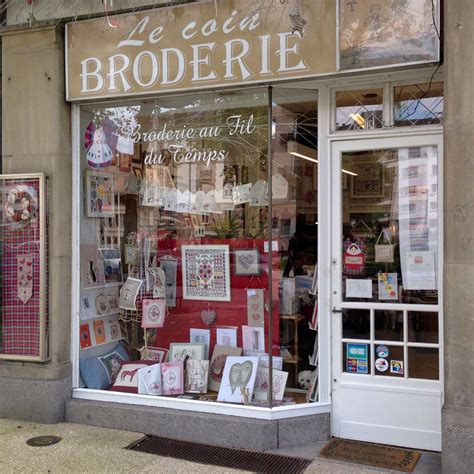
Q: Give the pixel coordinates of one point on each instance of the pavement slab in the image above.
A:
(89, 449)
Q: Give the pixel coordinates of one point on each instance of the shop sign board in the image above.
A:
(200, 45)
(208, 45)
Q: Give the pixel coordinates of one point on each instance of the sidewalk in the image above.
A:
(88, 449)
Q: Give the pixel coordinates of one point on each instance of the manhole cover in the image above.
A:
(39, 441)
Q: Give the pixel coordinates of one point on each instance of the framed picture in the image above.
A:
(253, 339)
(180, 350)
(100, 194)
(369, 180)
(206, 274)
(247, 262)
(157, 354)
(154, 313)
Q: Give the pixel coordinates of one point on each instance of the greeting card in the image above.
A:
(238, 380)
(216, 367)
(172, 375)
(149, 380)
(197, 372)
(262, 384)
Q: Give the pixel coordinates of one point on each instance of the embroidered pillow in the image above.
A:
(127, 378)
(99, 372)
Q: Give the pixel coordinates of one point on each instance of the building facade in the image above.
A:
(250, 218)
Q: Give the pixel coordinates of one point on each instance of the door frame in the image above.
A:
(339, 379)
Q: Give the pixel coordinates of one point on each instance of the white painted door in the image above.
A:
(387, 362)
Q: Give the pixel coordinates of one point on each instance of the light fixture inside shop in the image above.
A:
(358, 119)
(307, 153)
(302, 151)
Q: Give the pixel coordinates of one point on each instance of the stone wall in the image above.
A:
(458, 412)
(37, 138)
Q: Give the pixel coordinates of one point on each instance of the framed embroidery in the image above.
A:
(154, 312)
(247, 262)
(253, 339)
(158, 354)
(180, 350)
(226, 336)
(206, 273)
(100, 195)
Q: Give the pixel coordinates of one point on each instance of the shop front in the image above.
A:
(257, 222)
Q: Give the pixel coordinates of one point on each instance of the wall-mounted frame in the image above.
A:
(24, 267)
(100, 194)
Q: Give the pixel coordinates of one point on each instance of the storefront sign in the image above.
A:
(200, 45)
(241, 41)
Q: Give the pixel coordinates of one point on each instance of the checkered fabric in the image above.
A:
(20, 322)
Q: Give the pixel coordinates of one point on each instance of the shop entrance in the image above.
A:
(386, 290)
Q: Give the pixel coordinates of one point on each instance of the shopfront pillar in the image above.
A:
(37, 138)
(458, 411)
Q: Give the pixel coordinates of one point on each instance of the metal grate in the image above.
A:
(218, 456)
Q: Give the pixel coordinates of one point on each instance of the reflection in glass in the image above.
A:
(390, 226)
(388, 325)
(423, 363)
(419, 104)
(423, 327)
(359, 109)
(356, 324)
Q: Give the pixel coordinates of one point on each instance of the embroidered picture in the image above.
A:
(247, 262)
(206, 272)
(154, 312)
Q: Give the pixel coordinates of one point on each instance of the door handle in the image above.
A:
(335, 310)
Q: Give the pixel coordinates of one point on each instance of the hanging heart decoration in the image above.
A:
(208, 317)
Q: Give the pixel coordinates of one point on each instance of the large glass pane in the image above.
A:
(390, 225)
(295, 232)
(174, 247)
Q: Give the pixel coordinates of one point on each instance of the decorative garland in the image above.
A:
(21, 206)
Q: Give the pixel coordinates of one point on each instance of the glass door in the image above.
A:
(386, 291)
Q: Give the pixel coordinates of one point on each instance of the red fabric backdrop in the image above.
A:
(187, 313)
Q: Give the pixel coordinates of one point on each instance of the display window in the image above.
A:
(198, 247)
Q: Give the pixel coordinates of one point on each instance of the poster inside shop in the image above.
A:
(357, 288)
(357, 358)
(388, 286)
(420, 273)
